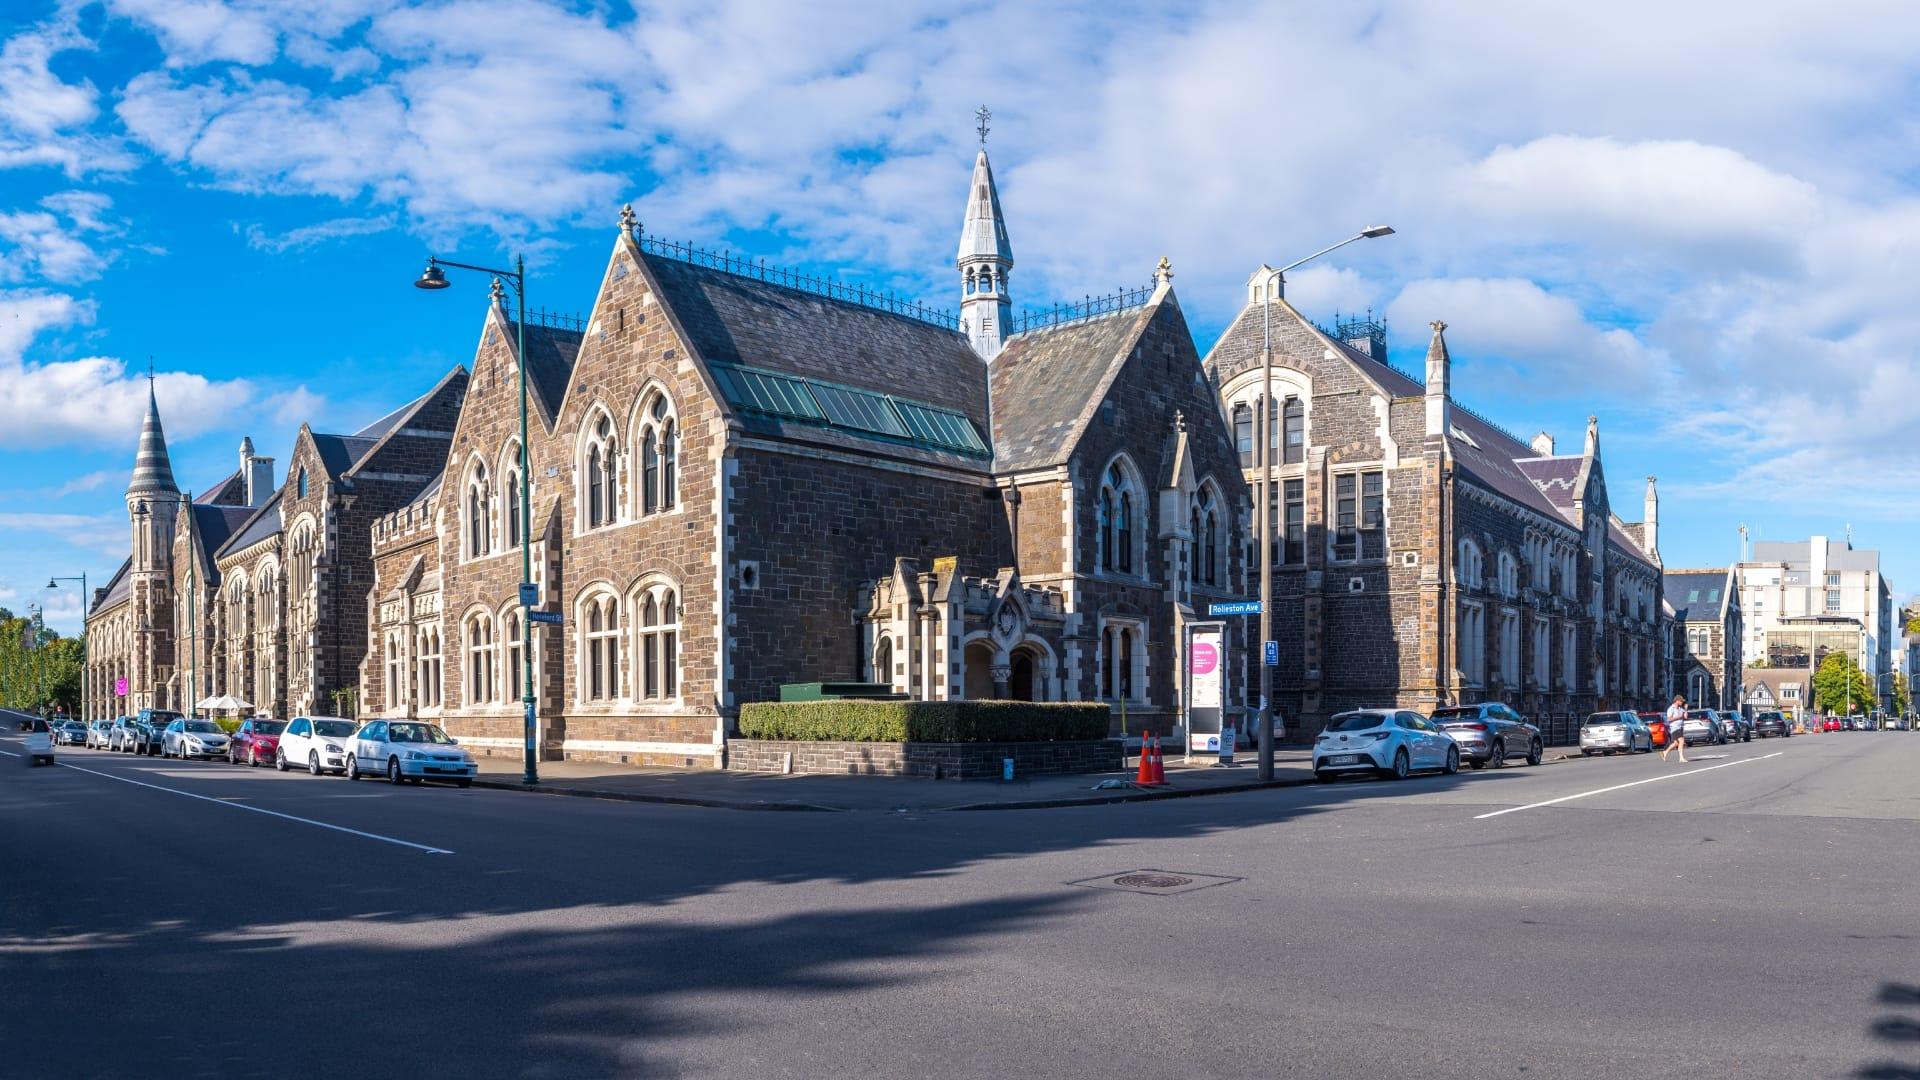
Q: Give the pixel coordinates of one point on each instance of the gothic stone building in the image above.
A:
(1707, 631)
(1424, 556)
(741, 479)
(251, 591)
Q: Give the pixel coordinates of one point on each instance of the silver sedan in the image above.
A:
(1615, 732)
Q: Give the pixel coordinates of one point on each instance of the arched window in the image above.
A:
(427, 649)
(509, 479)
(1116, 508)
(659, 643)
(300, 486)
(1509, 575)
(1120, 642)
(1243, 434)
(883, 661)
(602, 681)
(1206, 538)
(480, 677)
(659, 456)
(1293, 430)
(1469, 570)
(603, 494)
(515, 659)
(479, 507)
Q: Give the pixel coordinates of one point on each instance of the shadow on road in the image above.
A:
(1899, 1030)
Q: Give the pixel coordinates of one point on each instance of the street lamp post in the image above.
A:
(433, 279)
(1273, 288)
(54, 583)
(39, 659)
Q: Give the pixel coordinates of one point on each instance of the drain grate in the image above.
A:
(1154, 882)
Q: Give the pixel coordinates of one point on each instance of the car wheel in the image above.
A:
(313, 763)
(253, 757)
(393, 772)
(353, 768)
(1535, 751)
(1323, 776)
(1586, 753)
(1453, 761)
(1497, 757)
(279, 761)
(1402, 764)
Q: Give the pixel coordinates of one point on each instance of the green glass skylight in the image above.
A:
(847, 408)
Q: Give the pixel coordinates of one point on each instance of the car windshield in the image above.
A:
(269, 727)
(1600, 718)
(1441, 716)
(203, 727)
(335, 729)
(421, 733)
(162, 719)
(1356, 721)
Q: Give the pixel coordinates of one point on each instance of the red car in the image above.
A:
(255, 742)
(1832, 723)
(1657, 725)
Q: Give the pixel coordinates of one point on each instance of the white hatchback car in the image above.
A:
(39, 748)
(408, 750)
(318, 742)
(1392, 742)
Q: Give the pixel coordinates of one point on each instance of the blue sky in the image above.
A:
(1704, 231)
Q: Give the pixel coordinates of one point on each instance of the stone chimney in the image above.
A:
(1543, 444)
(256, 473)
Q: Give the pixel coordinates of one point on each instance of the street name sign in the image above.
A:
(1234, 607)
(550, 617)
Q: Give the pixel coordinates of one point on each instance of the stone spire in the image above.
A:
(984, 260)
(1650, 529)
(1439, 376)
(152, 469)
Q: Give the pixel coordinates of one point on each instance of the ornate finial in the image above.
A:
(149, 372)
(982, 117)
(1179, 419)
(1439, 327)
(629, 221)
(1593, 422)
(1164, 272)
(497, 292)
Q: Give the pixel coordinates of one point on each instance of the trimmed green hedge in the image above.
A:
(925, 721)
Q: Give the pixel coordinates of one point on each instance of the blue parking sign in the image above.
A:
(1273, 654)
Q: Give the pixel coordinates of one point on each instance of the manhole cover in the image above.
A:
(1154, 882)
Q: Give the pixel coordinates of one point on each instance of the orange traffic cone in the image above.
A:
(1159, 764)
(1144, 775)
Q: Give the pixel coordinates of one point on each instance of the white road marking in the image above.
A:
(1618, 787)
(258, 810)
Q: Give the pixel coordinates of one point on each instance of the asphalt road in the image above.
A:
(1749, 915)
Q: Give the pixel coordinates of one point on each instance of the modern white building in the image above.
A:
(1802, 599)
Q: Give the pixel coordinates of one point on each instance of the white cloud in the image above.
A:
(42, 115)
(94, 401)
(102, 534)
(260, 238)
(1537, 336)
(38, 245)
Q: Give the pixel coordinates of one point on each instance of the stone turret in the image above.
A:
(984, 261)
(1439, 375)
(153, 500)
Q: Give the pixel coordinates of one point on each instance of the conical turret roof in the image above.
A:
(152, 469)
(984, 233)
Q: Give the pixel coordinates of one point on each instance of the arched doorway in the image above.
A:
(1022, 682)
(977, 679)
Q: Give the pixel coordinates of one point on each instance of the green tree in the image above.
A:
(1840, 682)
(1902, 694)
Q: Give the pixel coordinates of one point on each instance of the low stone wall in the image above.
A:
(937, 761)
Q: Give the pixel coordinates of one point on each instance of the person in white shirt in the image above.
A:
(1676, 732)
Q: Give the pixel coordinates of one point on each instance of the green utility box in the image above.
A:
(838, 691)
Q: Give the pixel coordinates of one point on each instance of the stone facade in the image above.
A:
(1707, 637)
(1422, 555)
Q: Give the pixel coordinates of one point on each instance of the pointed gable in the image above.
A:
(1048, 382)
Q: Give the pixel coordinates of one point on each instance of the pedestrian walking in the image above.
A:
(1676, 729)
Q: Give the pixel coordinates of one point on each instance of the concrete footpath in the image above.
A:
(768, 791)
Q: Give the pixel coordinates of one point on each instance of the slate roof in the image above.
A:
(215, 525)
(218, 495)
(152, 469)
(119, 587)
(551, 353)
(1554, 476)
(341, 452)
(264, 523)
(729, 318)
(1046, 383)
(1695, 594)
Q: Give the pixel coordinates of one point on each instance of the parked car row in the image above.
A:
(1398, 742)
(399, 750)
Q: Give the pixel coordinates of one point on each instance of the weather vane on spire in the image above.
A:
(982, 115)
(149, 371)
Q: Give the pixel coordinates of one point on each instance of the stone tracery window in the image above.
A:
(659, 456)
(478, 512)
(481, 683)
(1115, 513)
(601, 662)
(601, 498)
(658, 643)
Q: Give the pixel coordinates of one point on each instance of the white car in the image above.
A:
(1390, 742)
(317, 742)
(193, 738)
(407, 750)
(39, 748)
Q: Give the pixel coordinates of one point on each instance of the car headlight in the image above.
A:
(332, 749)
(414, 755)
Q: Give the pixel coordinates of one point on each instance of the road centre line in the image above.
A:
(1618, 787)
(256, 810)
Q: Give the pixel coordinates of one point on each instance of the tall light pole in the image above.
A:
(1273, 288)
(432, 278)
(39, 659)
(54, 583)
